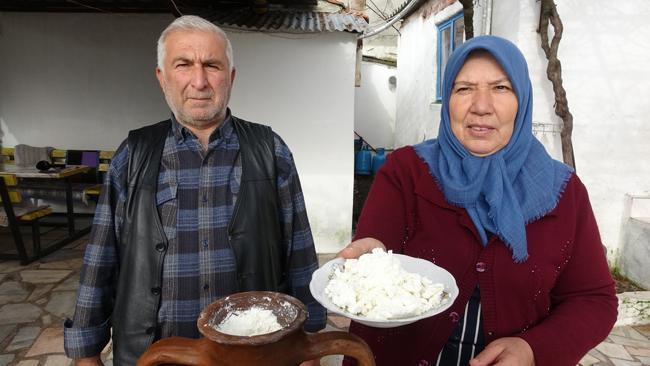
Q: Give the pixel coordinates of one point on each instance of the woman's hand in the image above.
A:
(360, 247)
(507, 351)
(89, 361)
(315, 362)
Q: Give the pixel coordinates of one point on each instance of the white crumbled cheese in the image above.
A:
(249, 322)
(377, 287)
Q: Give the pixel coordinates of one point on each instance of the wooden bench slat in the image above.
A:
(14, 197)
(57, 153)
(10, 179)
(106, 154)
(39, 212)
(93, 190)
(25, 213)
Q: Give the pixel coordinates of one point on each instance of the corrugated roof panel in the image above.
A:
(295, 21)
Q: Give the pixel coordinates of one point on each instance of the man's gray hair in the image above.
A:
(192, 23)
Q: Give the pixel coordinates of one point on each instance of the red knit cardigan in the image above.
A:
(561, 300)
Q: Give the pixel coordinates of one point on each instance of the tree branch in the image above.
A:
(468, 17)
(549, 15)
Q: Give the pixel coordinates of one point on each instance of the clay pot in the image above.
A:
(288, 346)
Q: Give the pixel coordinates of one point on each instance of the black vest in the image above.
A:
(254, 233)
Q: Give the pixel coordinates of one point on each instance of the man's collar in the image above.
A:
(225, 129)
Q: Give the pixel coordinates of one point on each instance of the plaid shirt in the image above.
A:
(197, 191)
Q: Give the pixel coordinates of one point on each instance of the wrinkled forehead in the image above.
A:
(481, 55)
(506, 54)
(195, 45)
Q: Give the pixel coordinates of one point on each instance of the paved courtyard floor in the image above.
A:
(35, 299)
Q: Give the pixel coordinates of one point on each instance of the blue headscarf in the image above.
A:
(504, 191)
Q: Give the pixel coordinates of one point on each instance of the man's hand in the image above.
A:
(508, 351)
(89, 361)
(360, 247)
(315, 362)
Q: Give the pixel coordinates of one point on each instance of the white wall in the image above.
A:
(374, 111)
(604, 53)
(417, 113)
(81, 81)
(78, 81)
(303, 86)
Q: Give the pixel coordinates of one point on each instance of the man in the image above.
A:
(193, 209)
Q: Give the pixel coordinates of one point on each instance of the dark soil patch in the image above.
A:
(625, 285)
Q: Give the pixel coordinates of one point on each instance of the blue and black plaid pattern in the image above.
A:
(197, 191)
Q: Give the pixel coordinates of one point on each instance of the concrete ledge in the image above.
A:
(634, 245)
(633, 308)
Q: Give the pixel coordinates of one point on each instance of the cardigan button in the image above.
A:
(160, 247)
(423, 363)
(155, 290)
(454, 317)
(481, 267)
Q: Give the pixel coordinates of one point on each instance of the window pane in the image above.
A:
(445, 49)
(459, 31)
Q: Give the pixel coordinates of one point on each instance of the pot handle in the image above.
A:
(177, 351)
(338, 343)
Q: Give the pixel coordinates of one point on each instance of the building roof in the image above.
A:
(293, 21)
(293, 16)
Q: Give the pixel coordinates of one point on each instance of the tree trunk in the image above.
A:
(549, 15)
(468, 17)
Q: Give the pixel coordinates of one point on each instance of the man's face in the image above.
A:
(196, 77)
(482, 106)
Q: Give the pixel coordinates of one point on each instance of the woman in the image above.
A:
(486, 202)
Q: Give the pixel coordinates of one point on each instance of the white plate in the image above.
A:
(321, 278)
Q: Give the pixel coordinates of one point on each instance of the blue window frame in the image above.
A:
(451, 34)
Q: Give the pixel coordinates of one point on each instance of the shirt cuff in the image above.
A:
(89, 341)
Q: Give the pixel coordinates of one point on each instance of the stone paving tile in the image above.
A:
(614, 351)
(638, 351)
(28, 363)
(644, 360)
(75, 263)
(630, 342)
(9, 266)
(57, 360)
(46, 319)
(630, 332)
(588, 360)
(19, 313)
(12, 291)
(24, 338)
(5, 330)
(40, 291)
(55, 265)
(618, 362)
(619, 331)
(50, 341)
(6, 359)
(62, 303)
(60, 255)
(643, 329)
(70, 284)
(44, 275)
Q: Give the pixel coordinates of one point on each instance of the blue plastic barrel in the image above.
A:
(362, 162)
(378, 160)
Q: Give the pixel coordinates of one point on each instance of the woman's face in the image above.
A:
(482, 105)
